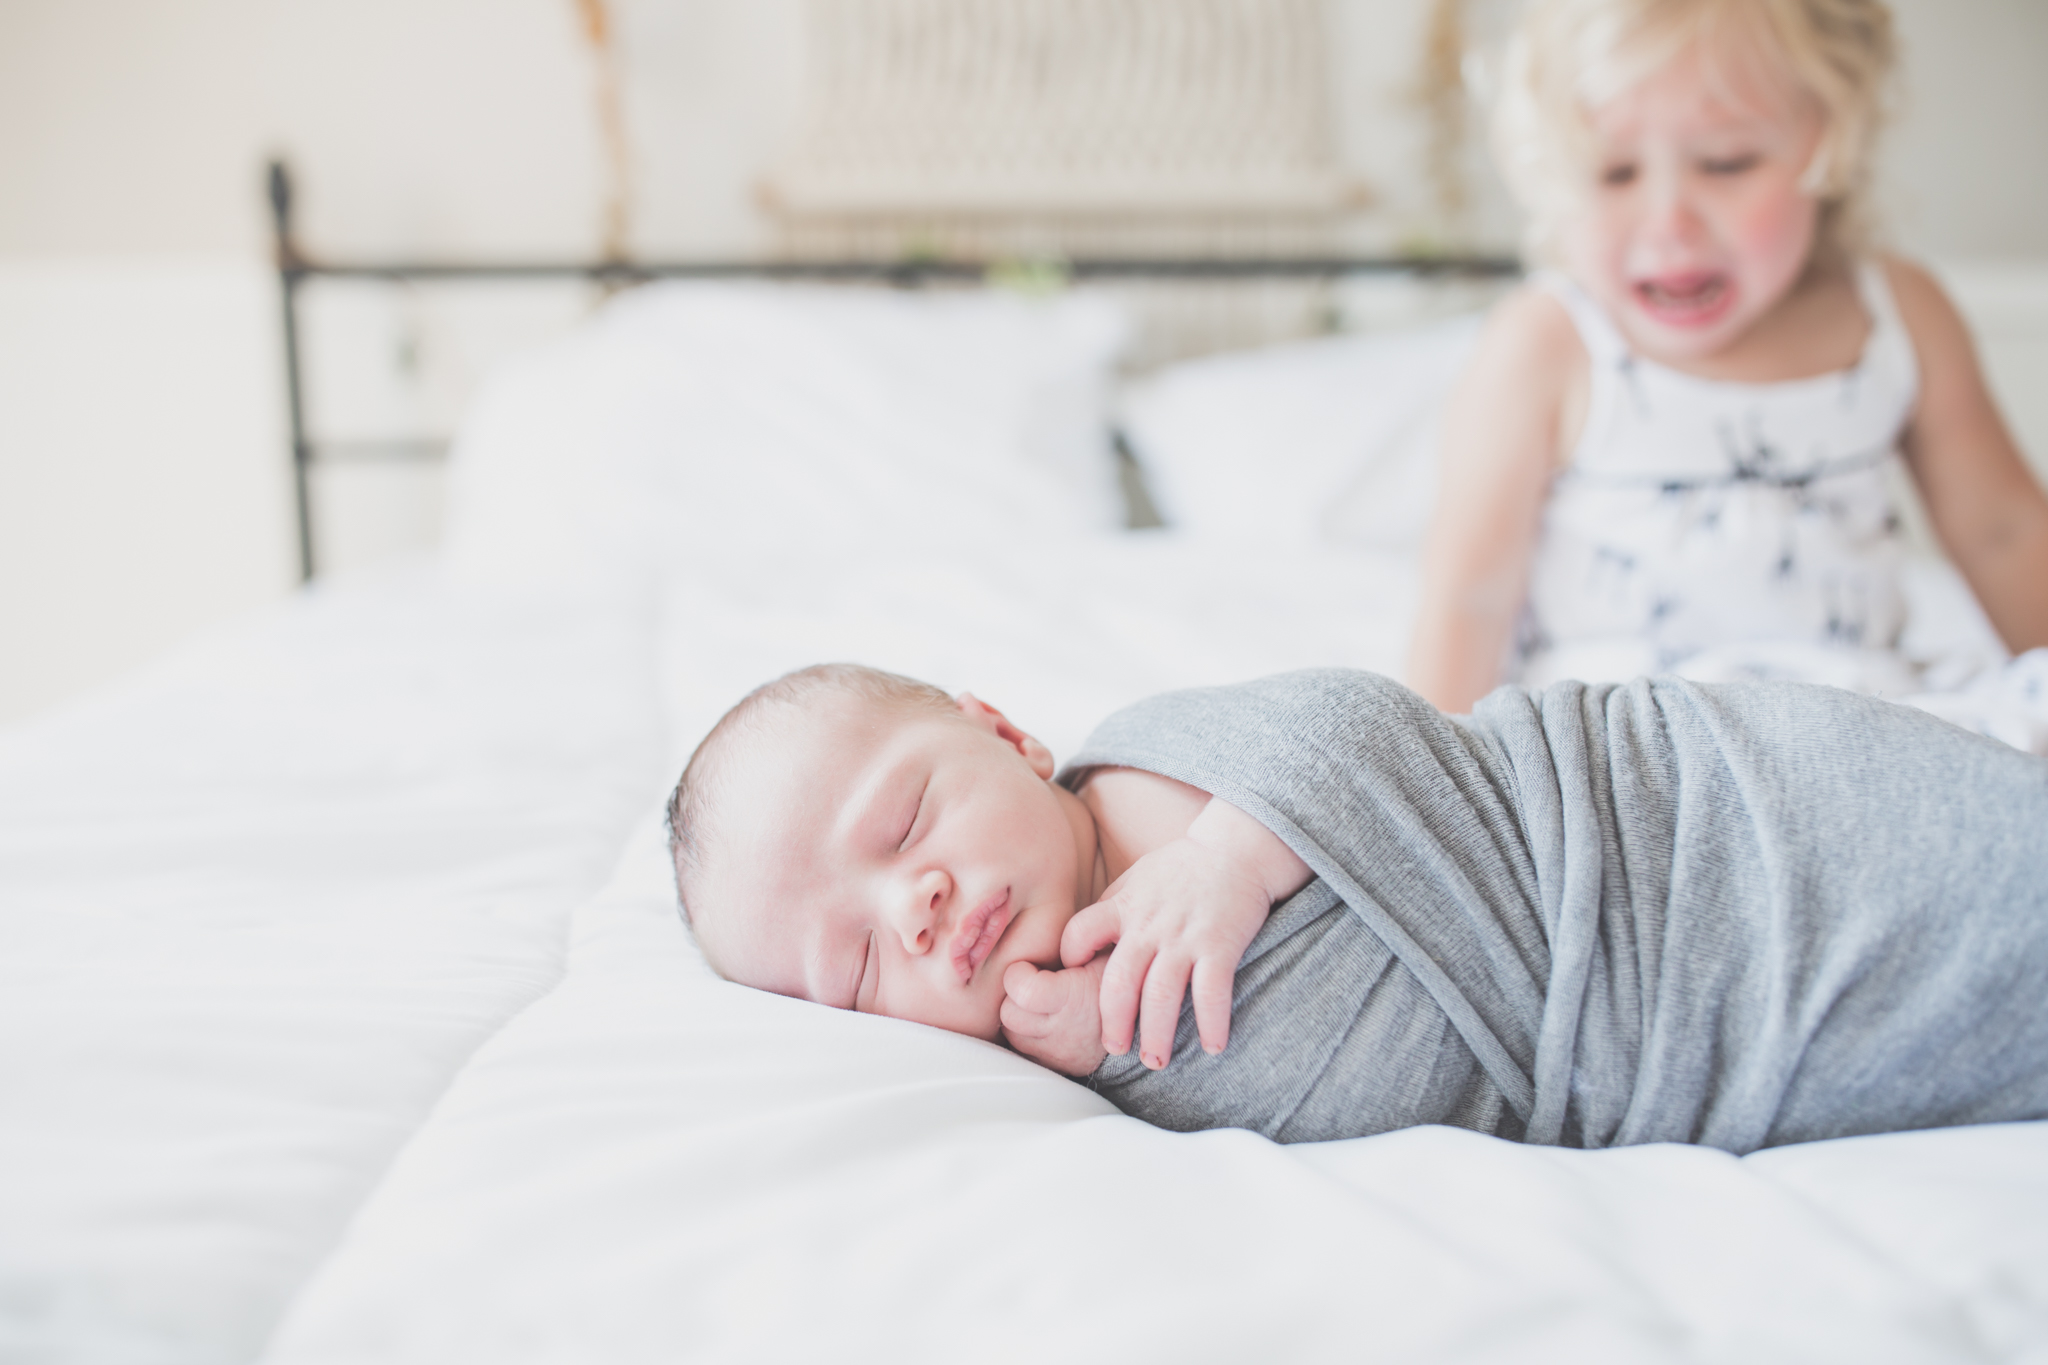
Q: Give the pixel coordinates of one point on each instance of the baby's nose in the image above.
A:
(920, 920)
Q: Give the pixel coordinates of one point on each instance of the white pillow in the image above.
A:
(708, 421)
(1332, 439)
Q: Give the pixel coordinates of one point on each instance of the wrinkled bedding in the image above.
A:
(258, 906)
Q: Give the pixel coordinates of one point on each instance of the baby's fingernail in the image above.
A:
(1113, 1050)
(1211, 1050)
(1152, 1060)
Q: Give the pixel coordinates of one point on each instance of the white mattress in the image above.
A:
(257, 909)
(325, 1038)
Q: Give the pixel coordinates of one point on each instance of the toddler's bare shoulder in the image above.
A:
(1940, 337)
(1924, 306)
(1532, 324)
(1530, 341)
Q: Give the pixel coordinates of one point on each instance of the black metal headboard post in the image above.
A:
(289, 272)
(294, 268)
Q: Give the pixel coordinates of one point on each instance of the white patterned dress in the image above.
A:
(1727, 530)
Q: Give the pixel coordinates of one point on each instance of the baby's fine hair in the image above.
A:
(691, 806)
(1570, 57)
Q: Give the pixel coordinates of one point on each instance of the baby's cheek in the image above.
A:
(982, 1017)
(1036, 936)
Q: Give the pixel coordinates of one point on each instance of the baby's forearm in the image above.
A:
(1245, 843)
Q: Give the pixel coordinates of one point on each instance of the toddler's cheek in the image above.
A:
(1776, 232)
(1596, 257)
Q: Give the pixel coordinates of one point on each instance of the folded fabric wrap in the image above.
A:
(1738, 915)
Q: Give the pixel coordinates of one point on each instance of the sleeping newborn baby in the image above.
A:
(1740, 915)
(923, 866)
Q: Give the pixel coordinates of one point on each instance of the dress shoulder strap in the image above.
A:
(1890, 346)
(1603, 340)
(1876, 292)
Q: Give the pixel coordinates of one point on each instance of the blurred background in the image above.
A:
(144, 475)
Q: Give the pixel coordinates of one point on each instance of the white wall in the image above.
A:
(142, 486)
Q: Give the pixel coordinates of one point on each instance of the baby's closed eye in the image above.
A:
(868, 985)
(910, 824)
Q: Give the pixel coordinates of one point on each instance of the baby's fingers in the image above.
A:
(1122, 980)
(1210, 991)
(1022, 1026)
(1165, 984)
(1090, 931)
(1032, 988)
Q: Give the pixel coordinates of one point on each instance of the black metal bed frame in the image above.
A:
(295, 268)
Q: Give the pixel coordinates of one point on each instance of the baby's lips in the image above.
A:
(976, 937)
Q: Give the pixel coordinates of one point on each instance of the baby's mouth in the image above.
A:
(976, 937)
(1690, 298)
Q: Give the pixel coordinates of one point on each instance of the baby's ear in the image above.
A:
(998, 724)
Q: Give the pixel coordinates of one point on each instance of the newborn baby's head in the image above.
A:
(865, 841)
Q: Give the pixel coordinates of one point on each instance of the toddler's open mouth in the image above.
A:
(976, 937)
(1686, 300)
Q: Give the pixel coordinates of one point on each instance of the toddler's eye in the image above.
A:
(1730, 165)
(1617, 175)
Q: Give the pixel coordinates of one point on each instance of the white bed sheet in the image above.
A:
(257, 907)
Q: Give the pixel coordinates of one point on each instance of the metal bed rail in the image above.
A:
(295, 268)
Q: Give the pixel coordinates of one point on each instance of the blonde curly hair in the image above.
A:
(1569, 58)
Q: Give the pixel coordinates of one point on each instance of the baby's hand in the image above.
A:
(1181, 918)
(1052, 1017)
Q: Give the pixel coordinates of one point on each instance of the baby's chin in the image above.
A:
(977, 1013)
(1034, 937)
(983, 1019)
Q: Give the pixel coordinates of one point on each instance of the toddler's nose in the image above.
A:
(1673, 219)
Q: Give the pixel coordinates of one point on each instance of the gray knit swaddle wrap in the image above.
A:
(1737, 915)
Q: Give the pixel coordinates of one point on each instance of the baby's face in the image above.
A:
(1697, 223)
(893, 860)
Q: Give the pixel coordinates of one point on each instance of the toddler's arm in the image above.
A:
(1991, 515)
(1508, 421)
(1181, 917)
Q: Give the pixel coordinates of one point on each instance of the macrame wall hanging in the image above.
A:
(1044, 128)
(993, 127)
